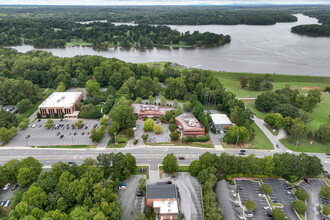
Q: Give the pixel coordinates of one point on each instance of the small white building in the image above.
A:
(221, 122)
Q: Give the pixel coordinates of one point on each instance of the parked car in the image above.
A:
(28, 136)
(244, 151)
(6, 186)
(327, 155)
(288, 187)
(273, 200)
(122, 187)
(297, 187)
(181, 158)
(61, 136)
(289, 192)
(269, 214)
(261, 195)
(7, 203)
(266, 208)
(248, 214)
(122, 184)
(2, 203)
(140, 193)
(168, 182)
(241, 153)
(308, 181)
(83, 133)
(71, 162)
(240, 188)
(14, 186)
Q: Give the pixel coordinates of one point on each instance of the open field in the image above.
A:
(305, 146)
(231, 81)
(321, 113)
(121, 138)
(34, 107)
(250, 104)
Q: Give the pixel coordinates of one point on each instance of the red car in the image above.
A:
(88, 133)
(308, 181)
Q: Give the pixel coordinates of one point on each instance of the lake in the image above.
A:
(257, 49)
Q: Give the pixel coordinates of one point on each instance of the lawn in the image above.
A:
(34, 108)
(88, 28)
(305, 146)
(231, 81)
(66, 146)
(182, 168)
(320, 113)
(57, 29)
(137, 171)
(259, 142)
(250, 104)
(121, 139)
(75, 42)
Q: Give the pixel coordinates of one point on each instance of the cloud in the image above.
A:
(158, 2)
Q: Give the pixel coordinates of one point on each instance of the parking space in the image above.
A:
(7, 194)
(251, 190)
(130, 202)
(9, 108)
(62, 133)
(282, 196)
(190, 195)
(314, 201)
(160, 138)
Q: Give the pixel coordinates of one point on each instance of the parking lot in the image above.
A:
(37, 135)
(190, 195)
(314, 201)
(130, 202)
(153, 138)
(280, 194)
(251, 190)
(7, 194)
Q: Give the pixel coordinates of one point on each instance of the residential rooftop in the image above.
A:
(188, 120)
(161, 191)
(61, 99)
(220, 119)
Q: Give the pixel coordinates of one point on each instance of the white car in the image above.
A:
(165, 150)
(7, 203)
(122, 187)
(6, 187)
(261, 195)
(288, 151)
(266, 207)
(34, 125)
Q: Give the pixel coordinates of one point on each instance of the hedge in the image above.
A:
(204, 138)
(230, 176)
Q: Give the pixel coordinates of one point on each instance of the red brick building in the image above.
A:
(189, 125)
(149, 111)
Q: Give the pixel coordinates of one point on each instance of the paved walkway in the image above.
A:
(275, 140)
(103, 143)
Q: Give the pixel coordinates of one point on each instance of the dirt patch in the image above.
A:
(310, 87)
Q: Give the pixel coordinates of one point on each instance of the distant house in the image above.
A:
(163, 198)
(149, 111)
(189, 125)
(60, 103)
(220, 122)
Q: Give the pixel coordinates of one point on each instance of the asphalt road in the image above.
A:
(147, 155)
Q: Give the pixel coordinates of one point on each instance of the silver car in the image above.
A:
(6, 187)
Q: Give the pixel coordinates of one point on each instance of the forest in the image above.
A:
(188, 15)
(50, 33)
(315, 30)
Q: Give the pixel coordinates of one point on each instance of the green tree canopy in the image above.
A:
(170, 163)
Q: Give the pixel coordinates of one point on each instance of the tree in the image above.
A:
(139, 216)
(274, 119)
(286, 110)
(297, 131)
(10, 170)
(35, 196)
(151, 99)
(114, 127)
(265, 188)
(145, 137)
(170, 163)
(299, 206)
(97, 134)
(60, 87)
(250, 205)
(174, 136)
(7, 134)
(278, 214)
(244, 82)
(124, 116)
(78, 123)
(158, 129)
(325, 192)
(93, 87)
(138, 100)
(163, 101)
(130, 132)
(323, 133)
(149, 124)
(302, 194)
(89, 111)
(236, 134)
(24, 178)
(142, 183)
(172, 127)
(23, 105)
(268, 100)
(187, 105)
(104, 121)
(195, 168)
(175, 103)
(24, 123)
(49, 123)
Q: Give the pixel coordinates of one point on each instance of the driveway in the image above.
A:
(190, 195)
(279, 193)
(128, 199)
(314, 201)
(249, 191)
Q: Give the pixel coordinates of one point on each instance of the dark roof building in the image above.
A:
(161, 191)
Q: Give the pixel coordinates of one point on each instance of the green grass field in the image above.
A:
(121, 137)
(137, 171)
(88, 28)
(57, 29)
(259, 142)
(320, 113)
(182, 168)
(231, 81)
(34, 108)
(250, 104)
(305, 146)
(75, 42)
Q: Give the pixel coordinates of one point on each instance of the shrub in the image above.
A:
(278, 214)
(325, 191)
(299, 206)
(174, 136)
(145, 137)
(136, 141)
(172, 127)
(326, 209)
(130, 132)
(250, 205)
(158, 129)
(204, 138)
(265, 188)
(149, 124)
(302, 194)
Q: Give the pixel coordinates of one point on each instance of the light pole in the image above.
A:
(115, 137)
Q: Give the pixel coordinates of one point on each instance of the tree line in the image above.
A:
(51, 33)
(88, 191)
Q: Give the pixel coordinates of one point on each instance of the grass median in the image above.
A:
(304, 145)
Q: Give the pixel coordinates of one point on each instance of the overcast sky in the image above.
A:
(158, 2)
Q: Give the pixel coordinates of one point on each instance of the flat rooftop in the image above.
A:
(220, 119)
(146, 108)
(188, 120)
(60, 99)
(161, 191)
(166, 207)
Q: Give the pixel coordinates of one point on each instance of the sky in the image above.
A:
(158, 2)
